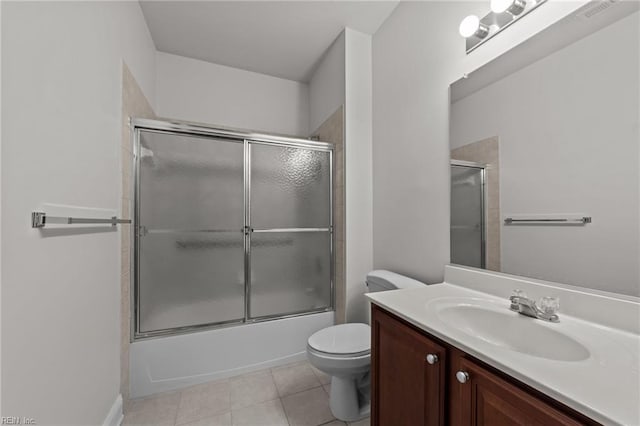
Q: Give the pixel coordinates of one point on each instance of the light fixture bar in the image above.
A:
(495, 23)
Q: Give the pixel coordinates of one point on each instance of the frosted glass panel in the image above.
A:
(290, 187)
(190, 279)
(190, 183)
(290, 272)
(466, 216)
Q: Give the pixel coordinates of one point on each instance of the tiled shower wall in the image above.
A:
(134, 104)
(487, 152)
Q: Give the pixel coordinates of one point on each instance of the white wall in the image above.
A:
(193, 90)
(61, 78)
(573, 148)
(358, 173)
(417, 53)
(327, 84)
(344, 77)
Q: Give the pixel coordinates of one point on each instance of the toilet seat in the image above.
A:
(344, 340)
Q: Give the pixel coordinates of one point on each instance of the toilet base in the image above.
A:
(349, 397)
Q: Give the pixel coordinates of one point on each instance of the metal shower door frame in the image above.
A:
(248, 139)
(483, 202)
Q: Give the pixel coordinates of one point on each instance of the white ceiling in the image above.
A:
(279, 38)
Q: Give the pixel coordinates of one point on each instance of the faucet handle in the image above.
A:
(550, 305)
(517, 294)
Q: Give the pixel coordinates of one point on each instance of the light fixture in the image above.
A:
(503, 14)
(514, 7)
(471, 26)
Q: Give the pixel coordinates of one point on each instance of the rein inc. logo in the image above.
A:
(15, 420)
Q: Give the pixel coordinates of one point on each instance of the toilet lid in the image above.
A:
(342, 339)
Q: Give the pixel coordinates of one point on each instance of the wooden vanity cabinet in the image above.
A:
(407, 389)
(487, 399)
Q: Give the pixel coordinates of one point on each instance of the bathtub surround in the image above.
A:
(134, 104)
(332, 130)
(61, 116)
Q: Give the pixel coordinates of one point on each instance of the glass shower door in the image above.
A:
(290, 218)
(467, 216)
(190, 236)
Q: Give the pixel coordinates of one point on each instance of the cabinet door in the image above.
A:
(486, 399)
(406, 388)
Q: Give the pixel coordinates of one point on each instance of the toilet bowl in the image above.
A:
(344, 352)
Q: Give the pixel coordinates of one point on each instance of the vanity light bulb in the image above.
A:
(469, 26)
(514, 7)
(500, 6)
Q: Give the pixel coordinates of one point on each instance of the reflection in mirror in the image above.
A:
(544, 142)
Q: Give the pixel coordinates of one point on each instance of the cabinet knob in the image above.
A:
(462, 376)
(432, 358)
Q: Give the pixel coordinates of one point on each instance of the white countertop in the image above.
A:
(605, 386)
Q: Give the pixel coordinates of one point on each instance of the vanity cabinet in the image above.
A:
(487, 399)
(410, 387)
(408, 375)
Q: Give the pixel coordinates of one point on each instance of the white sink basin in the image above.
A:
(497, 325)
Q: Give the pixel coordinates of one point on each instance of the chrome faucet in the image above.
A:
(523, 305)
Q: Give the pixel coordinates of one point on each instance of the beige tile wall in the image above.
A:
(332, 130)
(134, 104)
(487, 151)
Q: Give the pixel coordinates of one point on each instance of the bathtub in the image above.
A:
(168, 363)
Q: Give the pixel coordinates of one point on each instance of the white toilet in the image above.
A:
(344, 352)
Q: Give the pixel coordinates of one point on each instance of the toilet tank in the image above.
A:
(381, 280)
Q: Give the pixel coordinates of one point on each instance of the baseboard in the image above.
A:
(115, 415)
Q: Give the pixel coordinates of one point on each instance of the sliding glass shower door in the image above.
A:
(291, 230)
(228, 230)
(467, 215)
(191, 240)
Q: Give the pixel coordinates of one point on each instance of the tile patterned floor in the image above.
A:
(292, 395)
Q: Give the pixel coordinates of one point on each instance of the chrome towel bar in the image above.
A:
(41, 219)
(552, 221)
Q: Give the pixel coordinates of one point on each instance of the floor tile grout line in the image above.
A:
(286, 417)
(175, 416)
(299, 392)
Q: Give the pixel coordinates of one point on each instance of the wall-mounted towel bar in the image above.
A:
(550, 220)
(41, 219)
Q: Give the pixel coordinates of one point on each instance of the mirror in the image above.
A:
(544, 140)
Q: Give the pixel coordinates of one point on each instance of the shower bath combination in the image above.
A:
(229, 228)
